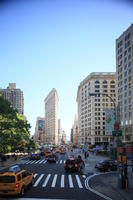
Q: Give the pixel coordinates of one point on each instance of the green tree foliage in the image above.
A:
(14, 129)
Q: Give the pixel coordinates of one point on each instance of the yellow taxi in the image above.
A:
(15, 181)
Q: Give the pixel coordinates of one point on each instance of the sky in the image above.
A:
(47, 44)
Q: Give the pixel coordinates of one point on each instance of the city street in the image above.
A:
(52, 182)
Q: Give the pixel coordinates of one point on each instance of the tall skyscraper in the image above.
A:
(124, 71)
(51, 117)
(14, 96)
(91, 109)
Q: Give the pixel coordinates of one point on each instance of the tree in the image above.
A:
(14, 128)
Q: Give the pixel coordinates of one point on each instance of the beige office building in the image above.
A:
(91, 109)
(124, 71)
(14, 96)
(51, 117)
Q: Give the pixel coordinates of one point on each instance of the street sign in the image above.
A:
(117, 133)
(129, 157)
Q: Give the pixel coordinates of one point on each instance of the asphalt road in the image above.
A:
(52, 182)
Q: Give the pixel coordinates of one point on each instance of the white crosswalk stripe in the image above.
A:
(35, 175)
(54, 180)
(33, 162)
(41, 161)
(46, 180)
(70, 181)
(27, 162)
(62, 181)
(38, 180)
(78, 181)
(37, 161)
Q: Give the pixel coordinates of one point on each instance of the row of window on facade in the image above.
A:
(126, 58)
(120, 51)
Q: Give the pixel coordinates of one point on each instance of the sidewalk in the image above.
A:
(109, 185)
(11, 161)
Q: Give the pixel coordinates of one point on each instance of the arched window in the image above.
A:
(112, 82)
(104, 82)
(97, 82)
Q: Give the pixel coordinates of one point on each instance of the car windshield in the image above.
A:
(7, 179)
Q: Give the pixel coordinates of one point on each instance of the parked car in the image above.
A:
(35, 156)
(15, 181)
(106, 165)
(51, 158)
(74, 164)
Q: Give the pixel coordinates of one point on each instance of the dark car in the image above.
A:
(51, 158)
(106, 165)
(35, 156)
(74, 164)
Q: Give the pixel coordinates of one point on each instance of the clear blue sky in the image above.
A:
(47, 44)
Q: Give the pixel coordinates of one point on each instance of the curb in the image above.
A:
(11, 164)
(94, 191)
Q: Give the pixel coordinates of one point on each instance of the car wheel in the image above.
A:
(22, 191)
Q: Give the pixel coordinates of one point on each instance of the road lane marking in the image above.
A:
(38, 180)
(41, 161)
(78, 181)
(54, 180)
(33, 162)
(70, 181)
(62, 181)
(37, 161)
(60, 161)
(93, 190)
(64, 161)
(35, 175)
(27, 162)
(44, 161)
(46, 180)
(56, 162)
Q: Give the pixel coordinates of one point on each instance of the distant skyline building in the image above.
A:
(75, 131)
(124, 71)
(39, 130)
(59, 131)
(51, 117)
(64, 137)
(91, 109)
(14, 96)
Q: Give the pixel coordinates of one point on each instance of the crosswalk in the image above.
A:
(43, 162)
(59, 181)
